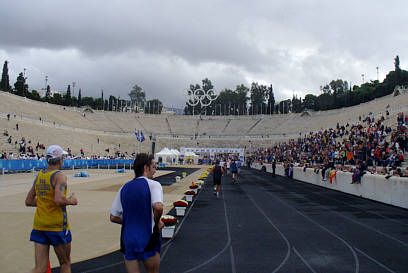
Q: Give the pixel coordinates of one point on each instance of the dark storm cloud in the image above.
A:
(166, 45)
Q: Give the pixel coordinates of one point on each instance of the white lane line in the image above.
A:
(367, 211)
(374, 260)
(233, 270)
(226, 245)
(164, 252)
(275, 227)
(103, 267)
(356, 222)
(304, 261)
(357, 264)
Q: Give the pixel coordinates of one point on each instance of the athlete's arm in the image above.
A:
(156, 195)
(157, 211)
(60, 182)
(116, 219)
(31, 199)
(116, 210)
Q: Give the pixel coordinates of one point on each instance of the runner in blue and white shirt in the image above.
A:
(138, 207)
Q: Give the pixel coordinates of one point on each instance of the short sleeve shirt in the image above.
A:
(156, 195)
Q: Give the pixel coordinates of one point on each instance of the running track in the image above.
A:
(274, 224)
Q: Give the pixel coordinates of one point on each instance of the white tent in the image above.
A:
(177, 154)
(166, 155)
(191, 156)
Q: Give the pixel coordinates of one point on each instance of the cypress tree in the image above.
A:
(102, 99)
(79, 97)
(5, 81)
(48, 94)
(68, 96)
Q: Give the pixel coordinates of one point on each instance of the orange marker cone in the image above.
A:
(49, 267)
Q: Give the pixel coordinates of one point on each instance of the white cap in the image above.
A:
(55, 151)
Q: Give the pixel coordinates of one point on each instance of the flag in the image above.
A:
(142, 138)
(137, 134)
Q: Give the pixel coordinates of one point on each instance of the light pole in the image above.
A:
(73, 89)
(46, 82)
(377, 73)
(24, 83)
(362, 76)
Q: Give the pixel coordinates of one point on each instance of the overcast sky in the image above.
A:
(164, 46)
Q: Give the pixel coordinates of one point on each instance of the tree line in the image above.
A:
(137, 102)
(259, 99)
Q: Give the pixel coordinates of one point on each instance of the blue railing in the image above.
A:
(23, 165)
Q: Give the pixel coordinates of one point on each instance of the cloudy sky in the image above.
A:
(164, 46)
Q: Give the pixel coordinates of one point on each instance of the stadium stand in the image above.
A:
(79, 128)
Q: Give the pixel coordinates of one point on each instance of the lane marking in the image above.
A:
(226, 245)
(232, 260)
(352, 220)
(357, 264)
(303, 260)
(275, 227)
(103, 267)
(374, 260)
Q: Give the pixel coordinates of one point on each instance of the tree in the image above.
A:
(154, 106)
(137, 96)
(57, 99)
(258, 98)
(20, 86)
(102, 100)
(79, 97)
(5, 81)
(271, 101)
(68, 96)
(34, 95)
(310, 102)
(48, 94)
(296, 104)
(196, 109)
(397, 63)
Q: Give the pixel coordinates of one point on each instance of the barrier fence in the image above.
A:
(25, 165)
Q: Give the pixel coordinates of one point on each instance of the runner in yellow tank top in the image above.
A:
(51, 227)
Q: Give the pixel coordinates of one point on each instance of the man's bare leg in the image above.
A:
(152, 264)
(63, 252)
(41, 253)
(132, 266)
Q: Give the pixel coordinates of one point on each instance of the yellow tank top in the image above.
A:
(48, 216)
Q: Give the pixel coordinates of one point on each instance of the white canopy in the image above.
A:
(166, 155)
(191, 155)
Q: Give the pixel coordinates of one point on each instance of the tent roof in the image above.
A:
(165, 151)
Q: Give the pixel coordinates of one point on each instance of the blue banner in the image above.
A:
(24, 165)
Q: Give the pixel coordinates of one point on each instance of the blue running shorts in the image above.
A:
(50, 237)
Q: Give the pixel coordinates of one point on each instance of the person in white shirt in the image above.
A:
(138, 207)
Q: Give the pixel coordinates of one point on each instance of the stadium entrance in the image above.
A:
(213, 152)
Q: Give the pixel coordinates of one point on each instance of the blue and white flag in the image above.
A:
(137, 135)
(142, 138)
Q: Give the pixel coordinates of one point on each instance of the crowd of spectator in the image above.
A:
(367, 146)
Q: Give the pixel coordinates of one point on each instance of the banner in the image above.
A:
(24, 165)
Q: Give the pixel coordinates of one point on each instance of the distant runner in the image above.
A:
(234, 171)
(217, 173)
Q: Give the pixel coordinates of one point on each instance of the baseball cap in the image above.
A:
(55, 151)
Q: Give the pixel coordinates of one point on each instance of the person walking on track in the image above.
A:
(234, 171)
(138, 207)
(51, 226)
(217, 173)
